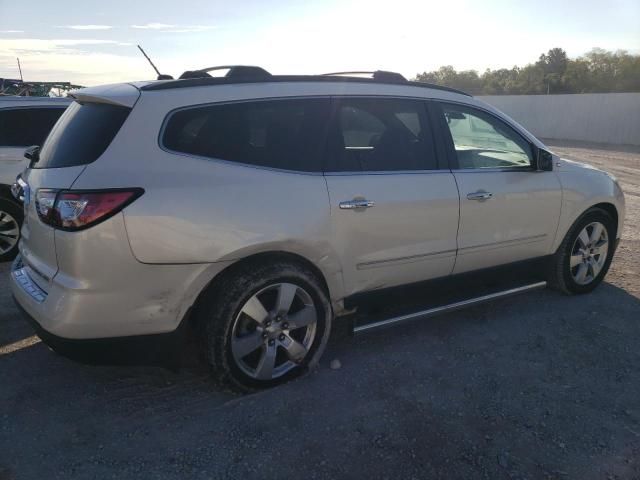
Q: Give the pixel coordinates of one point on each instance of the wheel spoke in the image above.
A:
(583, 238)
(286, 293)
(13, 233)
(296, 351)
(596, 233)
(583, 269)
(595, 267)
(601, 249)
(264, 370)
(255, 310)
(243, 346)
(575, 260)
(303, 318)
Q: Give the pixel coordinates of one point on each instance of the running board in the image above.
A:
(446, 308)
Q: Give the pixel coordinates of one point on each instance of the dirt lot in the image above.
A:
(536, 386)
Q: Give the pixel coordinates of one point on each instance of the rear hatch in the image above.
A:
(80, 137)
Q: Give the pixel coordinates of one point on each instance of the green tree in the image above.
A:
(554, 72)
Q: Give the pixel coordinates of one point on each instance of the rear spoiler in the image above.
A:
(120, 94)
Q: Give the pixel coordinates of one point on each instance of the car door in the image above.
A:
(394, 211)
(509, 210)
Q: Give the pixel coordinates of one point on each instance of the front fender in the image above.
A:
(582, 188)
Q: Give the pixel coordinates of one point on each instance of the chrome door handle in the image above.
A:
(480, 196)
(353, 204)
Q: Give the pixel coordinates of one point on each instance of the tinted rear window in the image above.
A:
(284, 134)
(22, 127)
(83, 133)
(380, 134)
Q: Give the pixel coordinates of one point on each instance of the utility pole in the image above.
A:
(20, 69)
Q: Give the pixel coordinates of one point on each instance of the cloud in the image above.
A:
(87, 27)
(11, 31)
(153, 26)
(75, 60)
(34, 46)
(168, 28)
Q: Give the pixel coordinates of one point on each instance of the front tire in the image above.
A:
(10, 223)
(264, 324)
(584, 257)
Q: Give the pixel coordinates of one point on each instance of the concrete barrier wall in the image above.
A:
(612, 118)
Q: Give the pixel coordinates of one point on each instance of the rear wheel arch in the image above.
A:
(212, 319)
(261, 258)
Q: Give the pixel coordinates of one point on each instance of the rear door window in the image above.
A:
(83, 133)
(22, 127)
(380, 134)
(284, 134)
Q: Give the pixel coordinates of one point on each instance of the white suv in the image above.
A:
(259, 208)
(24, 121)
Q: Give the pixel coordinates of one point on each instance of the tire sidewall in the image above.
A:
(589, 217)
(15, 211)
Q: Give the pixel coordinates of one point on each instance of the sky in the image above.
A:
(90, 42)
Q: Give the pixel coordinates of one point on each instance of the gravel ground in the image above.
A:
(536, 386)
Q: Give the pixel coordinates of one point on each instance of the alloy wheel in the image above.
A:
(9, 232)
(274, 331)
(589, 253)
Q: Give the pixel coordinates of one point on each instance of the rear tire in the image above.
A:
(264, 324)
(11, 217)
(585, 254)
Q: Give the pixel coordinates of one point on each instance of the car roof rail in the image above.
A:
(380, 75)
(250, 74)
(234, 71)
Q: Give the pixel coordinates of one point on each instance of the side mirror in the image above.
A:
(32, 154)
(544, 160)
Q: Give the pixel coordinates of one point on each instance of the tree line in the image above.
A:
(598, 71)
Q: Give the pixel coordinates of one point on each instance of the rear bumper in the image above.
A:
(161, 349)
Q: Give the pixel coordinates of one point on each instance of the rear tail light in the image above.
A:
(76, 210)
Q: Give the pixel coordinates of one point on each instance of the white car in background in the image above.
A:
(24, 121)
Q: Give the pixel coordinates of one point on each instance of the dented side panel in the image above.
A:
(85, 298)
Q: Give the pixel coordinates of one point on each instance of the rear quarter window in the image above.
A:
(25, 126)
(81, 135)
(285, 134)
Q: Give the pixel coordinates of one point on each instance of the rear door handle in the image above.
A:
(353, 204)
(480, 196)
